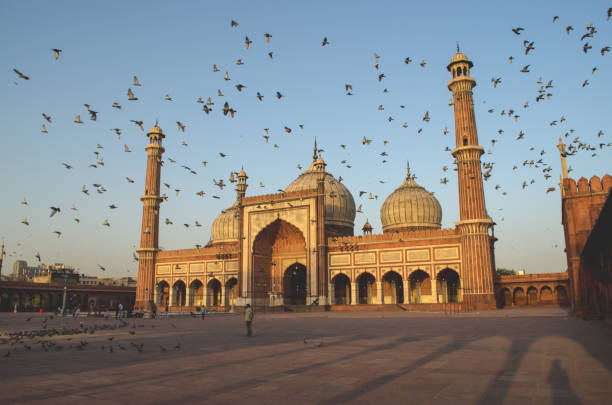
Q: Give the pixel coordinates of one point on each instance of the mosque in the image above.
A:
(298, 247)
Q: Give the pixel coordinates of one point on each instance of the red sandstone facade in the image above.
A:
(297, 247)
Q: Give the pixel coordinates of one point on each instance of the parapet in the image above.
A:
(585, 187)
(394, 236)
(264, 198)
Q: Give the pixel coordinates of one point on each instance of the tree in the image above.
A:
(505, 272)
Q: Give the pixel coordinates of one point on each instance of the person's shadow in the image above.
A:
(560, 388)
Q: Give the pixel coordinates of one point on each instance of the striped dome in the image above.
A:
(410, 207)
(225, 226)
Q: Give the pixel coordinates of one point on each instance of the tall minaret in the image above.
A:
(241, 188)
(476, 246)
(149, 234)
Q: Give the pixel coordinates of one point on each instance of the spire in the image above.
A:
(314, 153)
(458, 47)
(563, 153)
(407, 169)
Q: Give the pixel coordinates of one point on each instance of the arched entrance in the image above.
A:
(393, 288)
(294, 285)
(342, 290)
(507, 297)
(214, 292)
(449, 286)
(532, 296)
(163, 294)
(561, 296)
(420, 285)
(367, 289)
(196, 293)
(519, 296)
(546, 295)
(232, 291)
(178, 290)
(274, 246)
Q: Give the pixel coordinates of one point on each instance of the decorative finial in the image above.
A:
(458, 47)
(407, 169)
(314, 153)
(156, 122)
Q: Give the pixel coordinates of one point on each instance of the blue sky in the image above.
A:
(172, 46)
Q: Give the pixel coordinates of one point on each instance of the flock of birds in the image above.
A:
(220, 104)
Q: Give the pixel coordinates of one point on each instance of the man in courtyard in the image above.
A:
(203, 311)
(248, 317)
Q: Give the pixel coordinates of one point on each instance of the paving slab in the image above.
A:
(527, 356)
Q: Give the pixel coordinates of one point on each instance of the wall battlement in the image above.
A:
(263, 198)
(585, 187)
(393, 236)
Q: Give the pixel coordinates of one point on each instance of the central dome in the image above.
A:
(410, 207)
(339, 203)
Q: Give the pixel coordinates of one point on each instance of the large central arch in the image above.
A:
(274, 245)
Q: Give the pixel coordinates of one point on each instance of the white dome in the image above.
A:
(339, 203)
(225, 226)
(410, 207)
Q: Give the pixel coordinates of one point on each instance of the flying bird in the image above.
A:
(131, 95)
(518, 30)
(21, 75)
(325, 41)
(56, 52)
(136, 82)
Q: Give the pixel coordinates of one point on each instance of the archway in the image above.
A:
(561, 296)
(294, 285)
(163, 294)
(367, 289)
(393, 288)
(275, 244)
(196, 293)
(532, 296)
(420, 285)
(342, 290)
(178, 290)
(507, 297)
(546, 295)
(214, 292)
(450, 286)
(232, 291)
(519, 296)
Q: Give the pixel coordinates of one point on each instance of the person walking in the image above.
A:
(248, 317)
(153, 310)
(203, 311)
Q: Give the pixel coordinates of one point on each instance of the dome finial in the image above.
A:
(314, 153)
(407, 169)
(458, 47)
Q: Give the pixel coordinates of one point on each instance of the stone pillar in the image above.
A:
(406, 292)
(223, 295)
(156, 295)
(354, 295)
(330, 289)
(189, 300)
(379, 293)
(171, 296)
(434, 290)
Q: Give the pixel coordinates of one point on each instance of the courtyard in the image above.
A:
(525, 355)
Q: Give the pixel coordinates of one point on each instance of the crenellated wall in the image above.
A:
(581, 204)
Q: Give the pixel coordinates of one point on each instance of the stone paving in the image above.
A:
(513, 356)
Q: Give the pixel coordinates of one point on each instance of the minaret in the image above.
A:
(1, 258)
(149, 235)
(476, 247)
(321, 254)
(240, 193)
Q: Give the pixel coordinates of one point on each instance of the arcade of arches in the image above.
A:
(211, 294)
(393, 289)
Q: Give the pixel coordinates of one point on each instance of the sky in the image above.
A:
(172, 46)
